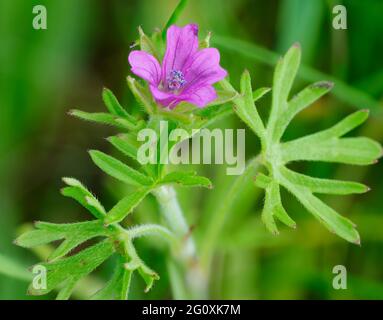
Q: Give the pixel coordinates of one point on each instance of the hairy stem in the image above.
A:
(185, 255)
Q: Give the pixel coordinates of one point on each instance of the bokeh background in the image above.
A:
(45, 73)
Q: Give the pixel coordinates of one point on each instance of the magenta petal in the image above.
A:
(201, 96)
(145, 66)
(205, 69)
(181, 45)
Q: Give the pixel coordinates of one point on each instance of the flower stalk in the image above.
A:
(185, 254)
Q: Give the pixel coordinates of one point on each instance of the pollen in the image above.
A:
(175, 80)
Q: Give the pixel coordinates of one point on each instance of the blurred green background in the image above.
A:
(45, 73)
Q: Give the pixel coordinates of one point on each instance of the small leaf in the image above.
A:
(141, 94)
(113, 105)
(100, 117)
(147, 45)
(113, 288)
(205, 43)
(284, 76)
(326, 186)
(341, 226)
(302, 100)
(125, 287)
(358, 151)
(119, 170)
(273, 208)
(259, 93)
(128, 145)
(81, 194)
(125, 206)
(73, 233)
(66, 291)
(148, 275)
(341, 128)
(187, 179)
(245, 108)
(136, 263)
(106, 118)
(65, 271)
(131, 126)
(35, 238)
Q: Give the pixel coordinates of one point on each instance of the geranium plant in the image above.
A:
(185, 85)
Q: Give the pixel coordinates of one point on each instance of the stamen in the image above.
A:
(175, 80)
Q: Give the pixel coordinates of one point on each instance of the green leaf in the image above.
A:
(107, 118)
(118, 286)
(73, 233)
(134, 125)
(119, 170)
(126, 206)
(66, 291)
(100, 117)
(69, 270)
(127, 144)
(273, 208)
(147, 274)
(125, 287)
(245, 108)
(35, 238)
(81, 194)
(358, 151)
(302, 100)
(175, 16)
(205, 43)
(113, 105)
(259, 93)
(113, 288)
(187, 179)
(341, 128)
(326, 186)
(141, 94)
(337, 224)
(147, 45)
(284, 76)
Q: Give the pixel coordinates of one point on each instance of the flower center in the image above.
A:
(175, 80)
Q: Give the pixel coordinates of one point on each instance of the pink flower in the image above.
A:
(187, 74)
